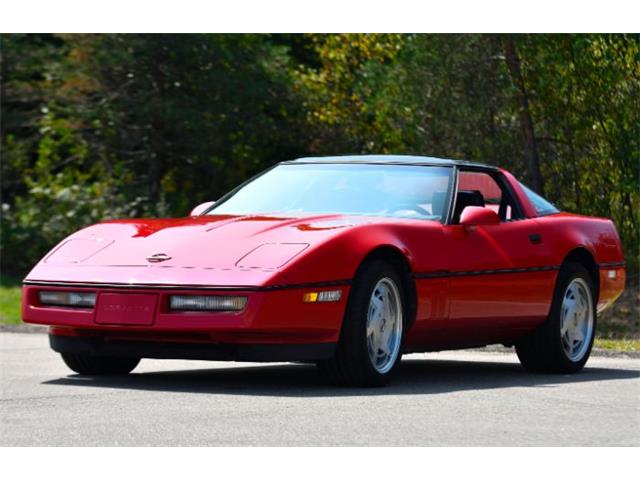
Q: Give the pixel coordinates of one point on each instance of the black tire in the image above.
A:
(542, 350)
(351, 364)
(94, 365)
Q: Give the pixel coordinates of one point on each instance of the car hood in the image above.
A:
(180, 250)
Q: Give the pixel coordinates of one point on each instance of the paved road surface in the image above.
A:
(453, 398)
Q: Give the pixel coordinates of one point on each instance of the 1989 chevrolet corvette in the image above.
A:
(343, 261)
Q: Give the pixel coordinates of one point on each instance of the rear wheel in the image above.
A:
(370, 344)
(563, 343)
(99, 365)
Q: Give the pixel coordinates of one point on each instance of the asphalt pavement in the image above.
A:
(446, 398)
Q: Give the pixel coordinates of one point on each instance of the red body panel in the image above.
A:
(475, 284)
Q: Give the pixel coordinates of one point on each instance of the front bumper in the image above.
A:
(99, 345)
(271, 316)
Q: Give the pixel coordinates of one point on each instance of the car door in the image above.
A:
(500, 279)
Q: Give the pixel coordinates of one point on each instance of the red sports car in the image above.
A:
(343, 261)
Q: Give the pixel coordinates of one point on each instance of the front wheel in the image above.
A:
(99, 365)
(371, 339)
(563, 343)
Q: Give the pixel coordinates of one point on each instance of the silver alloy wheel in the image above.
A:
(384, 325)
(576, 319)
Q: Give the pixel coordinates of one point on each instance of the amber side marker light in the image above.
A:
(326, 296)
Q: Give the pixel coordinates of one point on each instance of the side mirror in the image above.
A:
(479, 216)
(201, 208)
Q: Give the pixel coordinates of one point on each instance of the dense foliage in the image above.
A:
(104, 126)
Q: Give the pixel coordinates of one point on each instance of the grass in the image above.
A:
(620, 345)
(10, 294)
(10, 298)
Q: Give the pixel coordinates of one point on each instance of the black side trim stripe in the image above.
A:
(612, 264)
(244, 288)
(471, 273)
(291, 286)
(332, 283)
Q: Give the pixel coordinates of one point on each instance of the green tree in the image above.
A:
(103, 126)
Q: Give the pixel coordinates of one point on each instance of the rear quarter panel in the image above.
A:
(565, 232)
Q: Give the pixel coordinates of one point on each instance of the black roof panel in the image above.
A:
(390, 159)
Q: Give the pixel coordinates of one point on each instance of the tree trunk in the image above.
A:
(531, 156)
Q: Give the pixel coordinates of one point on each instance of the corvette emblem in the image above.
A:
(158, 257)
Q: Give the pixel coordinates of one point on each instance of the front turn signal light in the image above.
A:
(324, 296)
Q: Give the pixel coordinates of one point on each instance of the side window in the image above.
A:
(542, 205)
(481, 189)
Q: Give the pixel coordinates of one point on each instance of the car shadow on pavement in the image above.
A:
(414, 377)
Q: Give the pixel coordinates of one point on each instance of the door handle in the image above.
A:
(535, 238)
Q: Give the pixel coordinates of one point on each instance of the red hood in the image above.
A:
(215, 249)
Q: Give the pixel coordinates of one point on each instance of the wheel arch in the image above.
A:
(585, 258)
(394, 256)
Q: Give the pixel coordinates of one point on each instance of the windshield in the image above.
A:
(405, 191)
